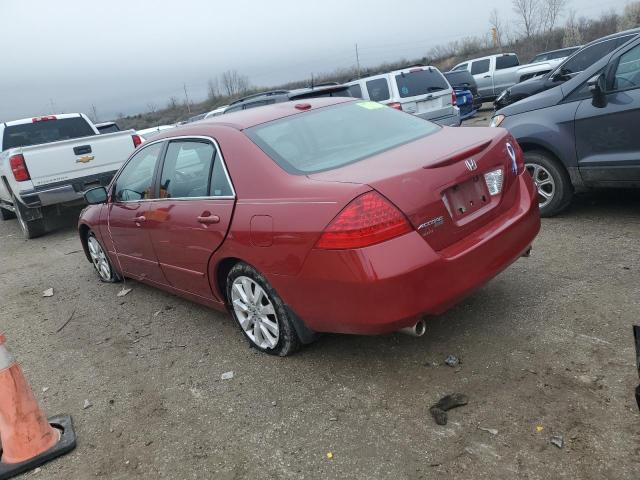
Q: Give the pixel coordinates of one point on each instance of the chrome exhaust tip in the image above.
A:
(418, 329)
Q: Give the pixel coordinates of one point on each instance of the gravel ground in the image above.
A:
(547, 345)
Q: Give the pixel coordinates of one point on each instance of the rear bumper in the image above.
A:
(65, 192)
(383, 288)
(447, 121)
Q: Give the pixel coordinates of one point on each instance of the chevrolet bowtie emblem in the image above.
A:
(85, 159)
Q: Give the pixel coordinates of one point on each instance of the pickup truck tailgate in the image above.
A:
(80, 157)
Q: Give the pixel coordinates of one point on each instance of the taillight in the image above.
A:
(19, 168)
(43, 119)
(454, 98)
(367, 220)
(136, 140)
(396, 105)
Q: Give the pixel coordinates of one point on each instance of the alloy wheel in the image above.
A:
(99, 258)
(255, 312)
(545, 184)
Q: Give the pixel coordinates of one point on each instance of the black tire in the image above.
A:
(552, 180)
(105, 271)
(6, 214)
(30, 228)
(287, 338)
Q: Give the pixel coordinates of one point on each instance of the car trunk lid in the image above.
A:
(442, 191)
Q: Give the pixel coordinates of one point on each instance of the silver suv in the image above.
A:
(421, 91)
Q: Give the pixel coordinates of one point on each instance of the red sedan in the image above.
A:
(328, 216)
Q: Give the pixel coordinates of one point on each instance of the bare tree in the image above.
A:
(572, 35)
(173, 103)
(213, 88)
(152, 107)
(630, 17)
(528, 12)
(496, 26)
(552, 11)
(234, 83)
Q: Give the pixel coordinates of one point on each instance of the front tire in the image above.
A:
(101, 261)
(551, 180)
(260, 312)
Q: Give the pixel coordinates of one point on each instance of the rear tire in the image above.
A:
(30, 228)
(551, 180)
(260, 312)
(6, 214)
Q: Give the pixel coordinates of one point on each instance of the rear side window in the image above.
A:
(45, 131)
(590, 55)
(355, 90)
(378, 89)
(187, 169)
(335, 136)
(506, 61)
(420, 82)
(480, 66)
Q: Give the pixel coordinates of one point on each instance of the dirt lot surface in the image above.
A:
(546, 344)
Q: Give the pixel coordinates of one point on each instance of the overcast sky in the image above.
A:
(121, 55)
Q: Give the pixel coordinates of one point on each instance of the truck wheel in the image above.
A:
(30, 228)
(6, 214)
(551, 182)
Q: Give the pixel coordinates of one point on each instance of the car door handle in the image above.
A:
(140, 219)
(487, 76)
(209, 219)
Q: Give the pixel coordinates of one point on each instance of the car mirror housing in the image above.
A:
(598, 86)
(96, 196)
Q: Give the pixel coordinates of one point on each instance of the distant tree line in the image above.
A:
(535, 28)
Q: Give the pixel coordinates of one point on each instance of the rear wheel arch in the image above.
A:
(222, 269)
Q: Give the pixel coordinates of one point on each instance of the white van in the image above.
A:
(421, 91)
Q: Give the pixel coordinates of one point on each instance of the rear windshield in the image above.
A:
(420, 82)
(335, 136)
(45, 131)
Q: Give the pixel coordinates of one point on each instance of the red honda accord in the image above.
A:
(336, 215)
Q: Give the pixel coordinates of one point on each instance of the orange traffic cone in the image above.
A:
(27, 438)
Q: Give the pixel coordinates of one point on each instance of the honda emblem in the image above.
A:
(471, 164)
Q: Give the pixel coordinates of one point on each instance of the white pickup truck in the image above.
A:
(496, 73)
(46, 163)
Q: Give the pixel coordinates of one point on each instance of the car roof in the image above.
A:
(623, 33)
(251, 117)
(577, 47)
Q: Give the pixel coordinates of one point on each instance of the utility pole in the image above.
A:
(186, 96)
(357, 60)
(53, 106)
(95, 113)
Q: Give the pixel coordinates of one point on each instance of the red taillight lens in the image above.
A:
(454, 98)
(367, 220)
(19, 168)
(396, 105)
(136, 140)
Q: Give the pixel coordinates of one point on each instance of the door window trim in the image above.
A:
(160, 163)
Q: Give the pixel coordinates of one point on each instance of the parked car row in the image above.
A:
(582, 133)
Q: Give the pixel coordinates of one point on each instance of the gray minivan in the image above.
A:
(419, 90)
(582, 134)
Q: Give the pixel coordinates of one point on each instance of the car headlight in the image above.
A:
(497, 120)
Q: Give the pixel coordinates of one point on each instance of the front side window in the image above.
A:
(627, 73)
(460, 67)
(135, 182)
(480, 66)
(187, 169)
(378, 89)
(332, 137)
(590, 55)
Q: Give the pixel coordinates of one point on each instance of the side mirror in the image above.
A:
(96, 196)
(598, 86)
